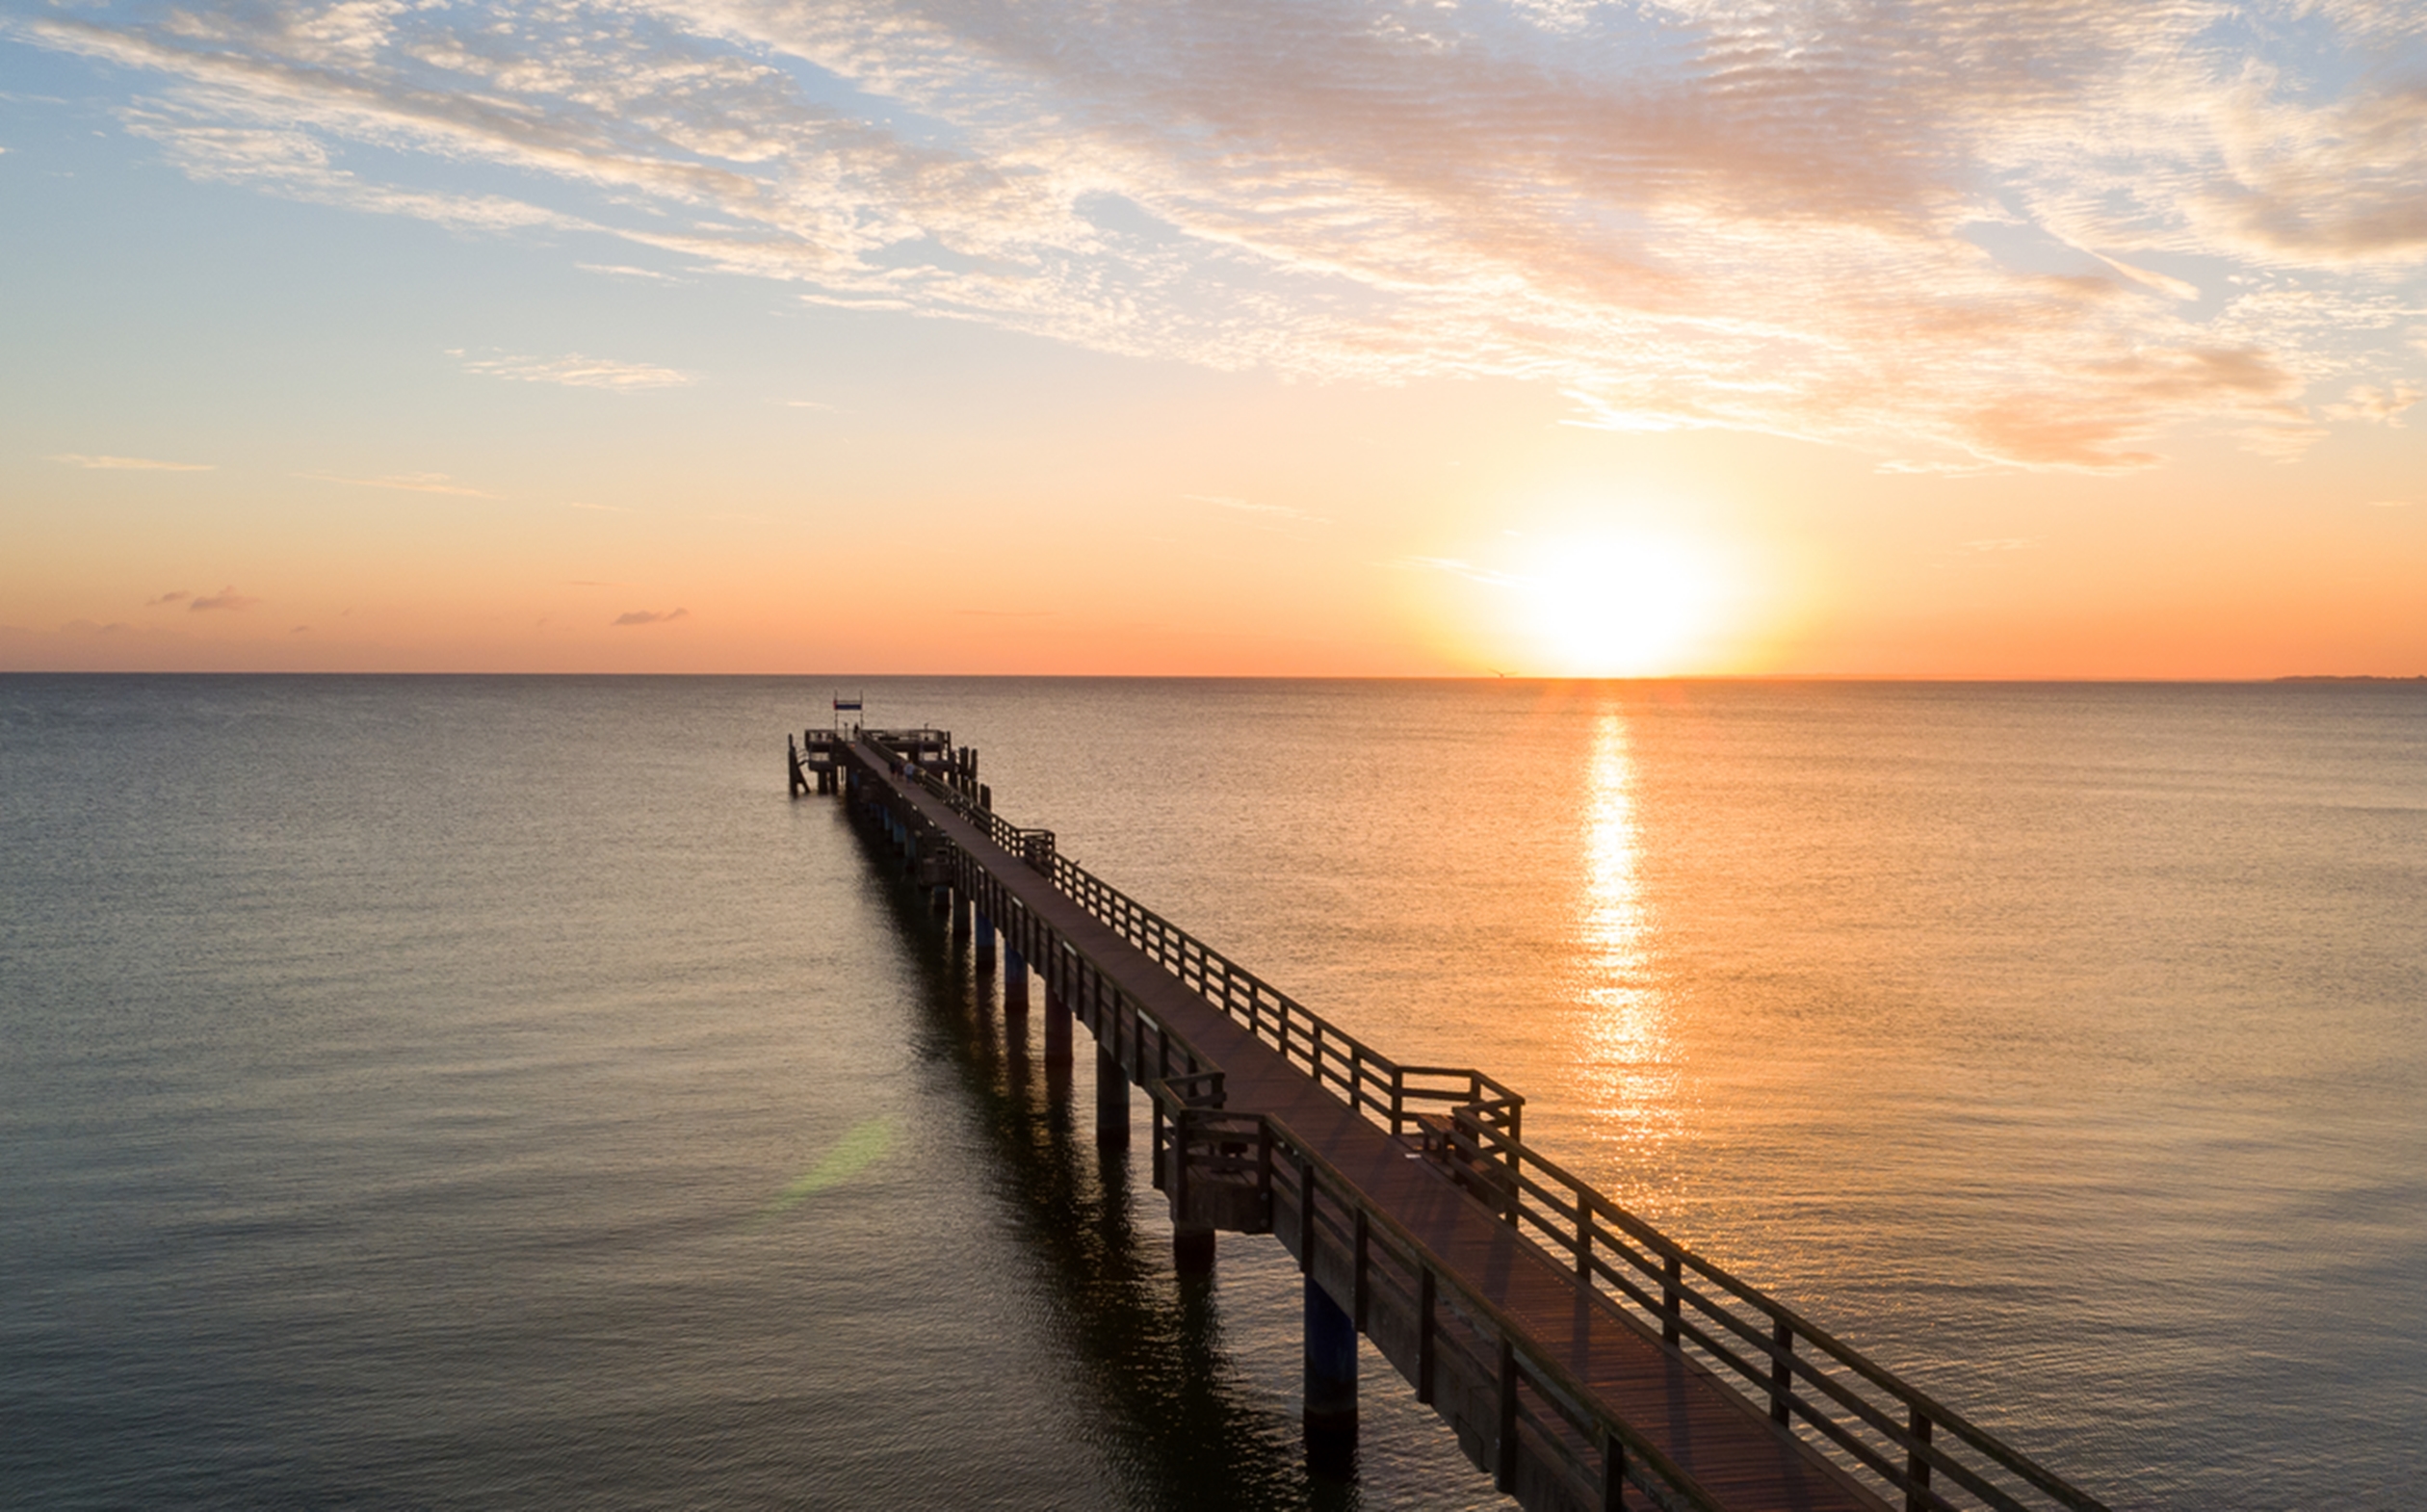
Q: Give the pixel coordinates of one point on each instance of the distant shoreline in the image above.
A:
(2338, 677)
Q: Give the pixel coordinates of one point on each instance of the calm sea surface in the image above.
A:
(495, 1092)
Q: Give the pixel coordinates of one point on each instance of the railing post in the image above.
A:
(1057, 1028)
(1113, 1120)
(1583, 1239)
(1356, 1076)
(1015, 973)
(1191, 1242)
(1156, 1148)
(1917, 1497)
(1358, 1287)
(1398, 1101)
(1672, 1301)
(1613, 1483)
(1264, 1168)
(1306, 1217)
(1512, 1157)
(1504, 1446)
(1781, 1368)
(1172, 1169)
(1424, 1299)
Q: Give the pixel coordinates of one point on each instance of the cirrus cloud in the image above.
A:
(1964, 233)
(648, 616)
(575, 371)
(130, 464)
(405, 482)
(2384, 405)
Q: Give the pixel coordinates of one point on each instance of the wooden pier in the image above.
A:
(1582, 1356)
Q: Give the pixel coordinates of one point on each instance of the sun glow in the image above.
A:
(1612, 607)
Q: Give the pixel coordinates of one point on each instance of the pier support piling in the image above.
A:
(1015, 991)
(985, 939)
(1056, 1030)
(1191, 1250)
(1331, 1383)
(1113, 1120)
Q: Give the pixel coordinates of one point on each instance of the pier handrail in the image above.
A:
(1528, 1190)
(1392, 1094)
(1534, 1192)
(1674, 1488)
(1032, 846)
(1389, 1092)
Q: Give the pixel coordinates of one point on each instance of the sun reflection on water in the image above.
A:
(1633, 1078)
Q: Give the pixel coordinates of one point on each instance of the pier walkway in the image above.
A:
(1583, 1357)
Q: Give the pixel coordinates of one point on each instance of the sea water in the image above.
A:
(497, 1091)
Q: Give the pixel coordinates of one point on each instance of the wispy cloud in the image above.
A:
(225, 598)
(2031, 233)
(175, 596)
(408, 482)
(1248, 507)
(624, 270)
(1459, 567)
(575, 371)
(648, 616)
(2384, 405)
(131, 464)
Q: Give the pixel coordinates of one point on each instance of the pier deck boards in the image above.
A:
(1711, 1431)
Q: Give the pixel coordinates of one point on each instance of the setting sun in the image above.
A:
(1620, 607)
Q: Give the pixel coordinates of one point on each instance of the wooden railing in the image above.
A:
(1035, 847)
(1864, 1415)
(1449, 1339)
(1392, 1095)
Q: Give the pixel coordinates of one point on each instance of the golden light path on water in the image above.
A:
(1631, 1082)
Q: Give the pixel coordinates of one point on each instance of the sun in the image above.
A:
(1621, 607)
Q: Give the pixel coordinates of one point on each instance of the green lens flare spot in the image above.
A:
(861, 1148)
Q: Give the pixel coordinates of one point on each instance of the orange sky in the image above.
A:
(1344, 340)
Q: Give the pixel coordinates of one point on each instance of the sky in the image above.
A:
(1939, 338)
